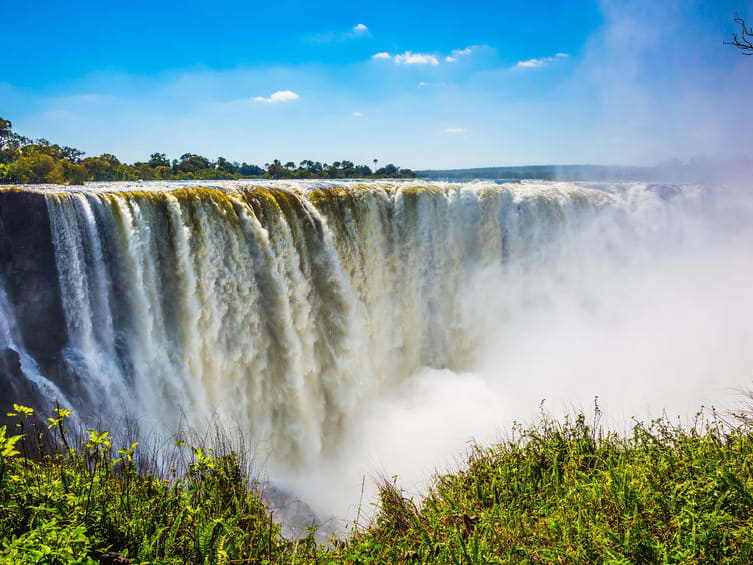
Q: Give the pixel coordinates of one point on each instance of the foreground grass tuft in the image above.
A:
(558, 492)
(567, 493)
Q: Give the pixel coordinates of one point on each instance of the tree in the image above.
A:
(389, 170)
(72, 154)
(65, 172)
(98, 168)
(223, 164)
(110, 158)
(743, 41)
(163, 172)
(190, 163)
(6, 135)
(32, 166)
(251, 170)
(290, 165)
(274, 169)
(5, 128)
(158, 160)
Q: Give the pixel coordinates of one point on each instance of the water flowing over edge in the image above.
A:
(282, 307)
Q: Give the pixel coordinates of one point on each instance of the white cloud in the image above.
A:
(532, 63)
(454, 130)
(358, 114)
(453, 56)
(542, 62)
(382, 55)
(422, 83)
(360, 28)
(410, 58)
(279, 96)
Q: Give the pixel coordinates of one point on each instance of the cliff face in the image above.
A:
(279, 307)
(27, 259)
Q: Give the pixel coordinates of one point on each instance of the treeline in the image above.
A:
(27, 161)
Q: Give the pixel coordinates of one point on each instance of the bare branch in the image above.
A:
(742, 41)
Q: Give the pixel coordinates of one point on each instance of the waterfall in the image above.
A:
(281, 306)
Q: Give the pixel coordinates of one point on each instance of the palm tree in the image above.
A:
(274, 168)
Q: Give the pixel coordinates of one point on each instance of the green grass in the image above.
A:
(558, 492)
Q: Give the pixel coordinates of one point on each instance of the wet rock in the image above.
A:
(15, 387)
(27, 261)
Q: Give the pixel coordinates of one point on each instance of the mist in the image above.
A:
(645, 311)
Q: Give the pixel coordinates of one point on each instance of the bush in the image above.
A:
(558, 492)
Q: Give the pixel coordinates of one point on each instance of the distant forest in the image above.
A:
(27, 161)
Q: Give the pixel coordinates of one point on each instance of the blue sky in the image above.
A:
(421, 84)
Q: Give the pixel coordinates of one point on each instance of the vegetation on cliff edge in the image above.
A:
(558, 492)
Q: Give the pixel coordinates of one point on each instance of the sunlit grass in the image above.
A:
(558, 492)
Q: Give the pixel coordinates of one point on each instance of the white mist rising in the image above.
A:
(647, 307)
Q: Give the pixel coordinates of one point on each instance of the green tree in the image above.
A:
(158, 160)
(99, 169)
(388, 170)
(6, 128)
(250, 170)
(9, 142)
(163, 172)
(32, 166)
(65, 172)
(223, 164)
(274, 169)
(191, 163)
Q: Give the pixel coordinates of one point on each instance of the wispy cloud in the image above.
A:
(455, 53)
(360, 29)
(410, 58)
(454, 130)
(537, 63)
(279, 96)
(358, 114)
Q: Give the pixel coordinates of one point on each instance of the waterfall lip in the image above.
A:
(300, 289)
(303, 186)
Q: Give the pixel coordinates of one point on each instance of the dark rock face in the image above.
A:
(27, 260)
(14, 386)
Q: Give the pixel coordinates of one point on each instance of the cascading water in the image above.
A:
(286, 308)
(277, 307)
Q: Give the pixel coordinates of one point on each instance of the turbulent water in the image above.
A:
(311, 314)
